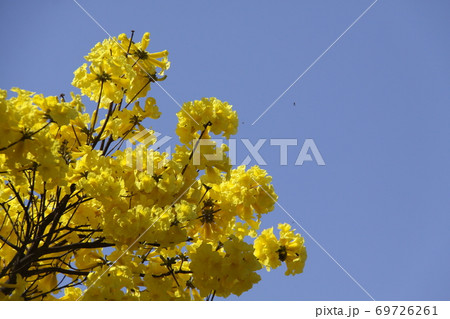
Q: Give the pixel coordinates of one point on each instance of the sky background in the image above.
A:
(376, 105)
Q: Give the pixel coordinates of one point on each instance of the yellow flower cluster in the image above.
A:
(119, 67)
(128, 223)
(289, 249)
(226, 269)
(195, 115)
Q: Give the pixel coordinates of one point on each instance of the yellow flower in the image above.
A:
(71, 294)
(266, 249)
(144, 64)
(194, 116)
(112, 285)
(104, 81)
(151, 109)
(292, 250)
(212, 223)
(143, 59)
(227, 269)
(246, 192)
(289, 249)
(60, 112)
(117, 74)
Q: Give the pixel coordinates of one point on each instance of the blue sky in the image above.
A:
(376, 105)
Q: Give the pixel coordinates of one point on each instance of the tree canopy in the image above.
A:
(89, 211)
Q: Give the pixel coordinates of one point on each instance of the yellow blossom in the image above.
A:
(290, 249)
(195, 115)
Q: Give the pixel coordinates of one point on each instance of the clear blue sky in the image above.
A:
(377, 105)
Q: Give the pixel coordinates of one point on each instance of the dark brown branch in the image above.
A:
(8, 243)
(171, 272)
(76, 136)
(145, 85)
(73, 283)
(50, 270)
(94, 122)
(196, 145)
(91, 245)
(108, 115)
